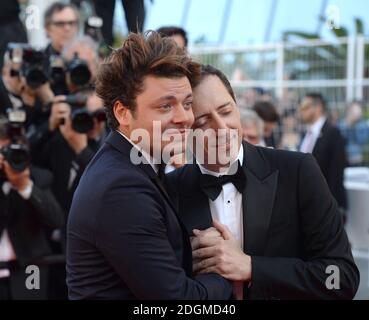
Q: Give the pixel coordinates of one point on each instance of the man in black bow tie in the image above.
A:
(263, 218)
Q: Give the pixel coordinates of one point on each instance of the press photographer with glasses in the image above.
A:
(61, 25)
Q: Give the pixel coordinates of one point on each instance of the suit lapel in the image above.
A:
(195, 212)
(257, 199)
(193, 204)
(124, 146)
(318, 143)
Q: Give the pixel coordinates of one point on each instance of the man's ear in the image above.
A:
(122, 113)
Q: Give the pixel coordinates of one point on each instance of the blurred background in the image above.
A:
(275, 52)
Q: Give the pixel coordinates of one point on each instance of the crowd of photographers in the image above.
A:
(51, 125)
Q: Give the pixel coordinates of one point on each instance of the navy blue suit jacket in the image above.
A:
(124, 240)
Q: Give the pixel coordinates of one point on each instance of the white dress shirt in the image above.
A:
(227, 208)
(312, 135)
(6, 248)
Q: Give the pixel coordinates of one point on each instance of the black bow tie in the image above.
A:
(212, 186)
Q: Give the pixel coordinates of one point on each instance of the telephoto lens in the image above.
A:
(80, 74)
(32, 63)
(82, 119)
(17, 155)
(33, 68)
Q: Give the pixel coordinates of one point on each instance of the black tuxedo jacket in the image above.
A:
(329, 152)
(292, 228)
(124, 240)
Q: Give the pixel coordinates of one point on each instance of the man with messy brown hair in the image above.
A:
(124, 238)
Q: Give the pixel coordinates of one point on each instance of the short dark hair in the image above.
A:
(208, 70)
(317, 98)
(121, 76)
(55, 8)
(266, 111)
(172, 31)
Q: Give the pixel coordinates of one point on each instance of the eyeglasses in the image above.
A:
(62, 24)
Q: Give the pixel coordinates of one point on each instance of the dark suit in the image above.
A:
(329, 152)
(57, 156)
(292, 229)
(26, 222)
(124, 240)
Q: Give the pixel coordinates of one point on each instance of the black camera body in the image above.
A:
(16, 153)
(57, 75)
(32, 63)
(79, 72)
(82, 119)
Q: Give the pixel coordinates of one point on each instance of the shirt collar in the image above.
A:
(144, 153)
(224, 172)
(317, 126)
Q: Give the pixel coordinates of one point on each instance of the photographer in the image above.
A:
(24, 83)
(76, 128)
(81, 60)
(61, 25)
(75, 69)
(28, 210)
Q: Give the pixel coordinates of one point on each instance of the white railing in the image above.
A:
(336, 65)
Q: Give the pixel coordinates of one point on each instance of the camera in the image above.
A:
(78, 70)
(57, 75)
(16, 122)
(16, 153)
(32, 64)
(82, 119)
(93, 28)
(80, 74)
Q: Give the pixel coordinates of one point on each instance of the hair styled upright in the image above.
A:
(121, 76)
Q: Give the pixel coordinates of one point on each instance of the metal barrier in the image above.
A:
(284, 72)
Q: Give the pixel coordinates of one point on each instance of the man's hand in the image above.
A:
(77, 141)
(19, 180)
(59, 111)
(29, 95)
(222, 255)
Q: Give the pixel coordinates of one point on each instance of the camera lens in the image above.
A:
(17, 156)
(82, 121)
(100, 115)
(35, 78)
(80, 75)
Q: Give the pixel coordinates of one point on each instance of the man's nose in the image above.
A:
(218, 122)
(182, 116)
